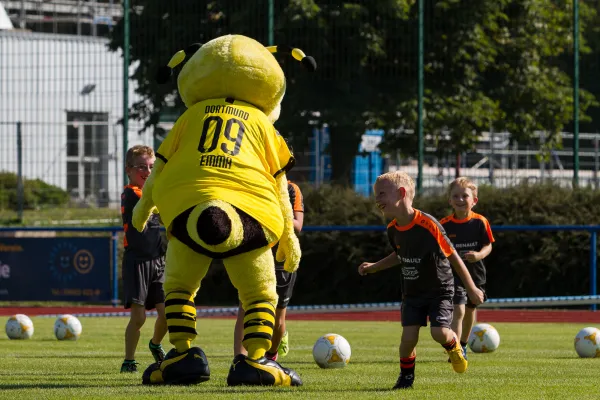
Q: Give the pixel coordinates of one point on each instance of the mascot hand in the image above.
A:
(289, 250)
(141, 215)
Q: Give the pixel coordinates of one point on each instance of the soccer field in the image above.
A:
(534, 361)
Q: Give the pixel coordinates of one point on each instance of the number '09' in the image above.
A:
(218, 122)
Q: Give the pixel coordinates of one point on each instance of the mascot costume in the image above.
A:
(220, 186)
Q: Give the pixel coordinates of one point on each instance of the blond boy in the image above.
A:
(472, 237)
(143, 262)
(427, 257)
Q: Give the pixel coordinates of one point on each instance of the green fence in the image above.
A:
(498, 84)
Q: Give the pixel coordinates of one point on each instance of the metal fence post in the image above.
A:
(593, 266)
(115, 269)
(20, 189)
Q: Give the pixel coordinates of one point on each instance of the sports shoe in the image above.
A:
(464, 349)
(184, 368)
(405, 381)
(157, 351)
(263, 372)
(284, 346)
(459, 364)
(129, 366)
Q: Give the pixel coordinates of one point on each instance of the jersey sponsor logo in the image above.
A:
(216, 161)
(410, 260)
(465, 245)
(410, 273)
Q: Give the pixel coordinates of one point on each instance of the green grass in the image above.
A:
(534, 361)
(58, 216)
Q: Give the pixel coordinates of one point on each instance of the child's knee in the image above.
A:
(137, 318)
(441, 334)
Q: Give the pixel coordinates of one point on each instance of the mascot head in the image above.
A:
(233, 66)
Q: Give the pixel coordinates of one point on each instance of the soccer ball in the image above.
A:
(484, 338)
(331, 351)
(587, 342)
(19, 327)
(67, 327)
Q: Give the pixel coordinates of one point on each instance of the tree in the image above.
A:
(495, 64)
(348, 40)
(488, 63)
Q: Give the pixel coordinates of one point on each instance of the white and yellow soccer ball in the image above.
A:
(587, 342)
(484, 338)
(67, 327)
(332, 351)
(19, 326)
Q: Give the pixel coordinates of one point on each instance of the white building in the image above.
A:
(67, 94)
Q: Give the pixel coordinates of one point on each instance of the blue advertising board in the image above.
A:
(57, 269)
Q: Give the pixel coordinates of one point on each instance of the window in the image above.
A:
(87, 157)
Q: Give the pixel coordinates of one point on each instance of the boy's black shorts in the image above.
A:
(285, 285)
(461, 297)
(143, 282)
(415, 311)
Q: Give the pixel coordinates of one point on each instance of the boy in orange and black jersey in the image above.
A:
(472, 237)
(427, 258)
(143, 262)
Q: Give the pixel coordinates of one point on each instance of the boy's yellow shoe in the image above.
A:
(284, 345)
(459, 364)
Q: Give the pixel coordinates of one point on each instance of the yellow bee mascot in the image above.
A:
(220, 186)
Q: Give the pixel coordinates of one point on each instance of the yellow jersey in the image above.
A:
(223, 149)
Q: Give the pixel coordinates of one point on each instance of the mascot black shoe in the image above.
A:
(261, 372)
(179, 369)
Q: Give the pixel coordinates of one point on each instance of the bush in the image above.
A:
(522, 264)
(36, 193)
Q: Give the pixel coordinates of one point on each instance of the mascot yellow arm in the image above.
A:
(289, 246)
(145, 206)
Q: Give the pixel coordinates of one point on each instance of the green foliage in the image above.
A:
(36, 193)
(489, 63)
(522, 264)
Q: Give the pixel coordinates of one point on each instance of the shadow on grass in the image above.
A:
(19, 386)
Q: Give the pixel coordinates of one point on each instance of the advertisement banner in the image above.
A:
(55, 269)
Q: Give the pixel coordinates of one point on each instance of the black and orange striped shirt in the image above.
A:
(470, 234)
(423, 249)
(146, 245)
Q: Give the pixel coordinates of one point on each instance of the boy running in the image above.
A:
(143, 262)
(472, 237)
(426, 255)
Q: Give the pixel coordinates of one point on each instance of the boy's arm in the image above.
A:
(474, 293)
(143, 209)
(474, 256)
(384, 263)
(298, 221)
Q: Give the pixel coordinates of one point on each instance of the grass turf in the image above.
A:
(534, 361)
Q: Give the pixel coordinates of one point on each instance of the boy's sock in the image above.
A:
(464, 348)
(450, 345)
(407, 373)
